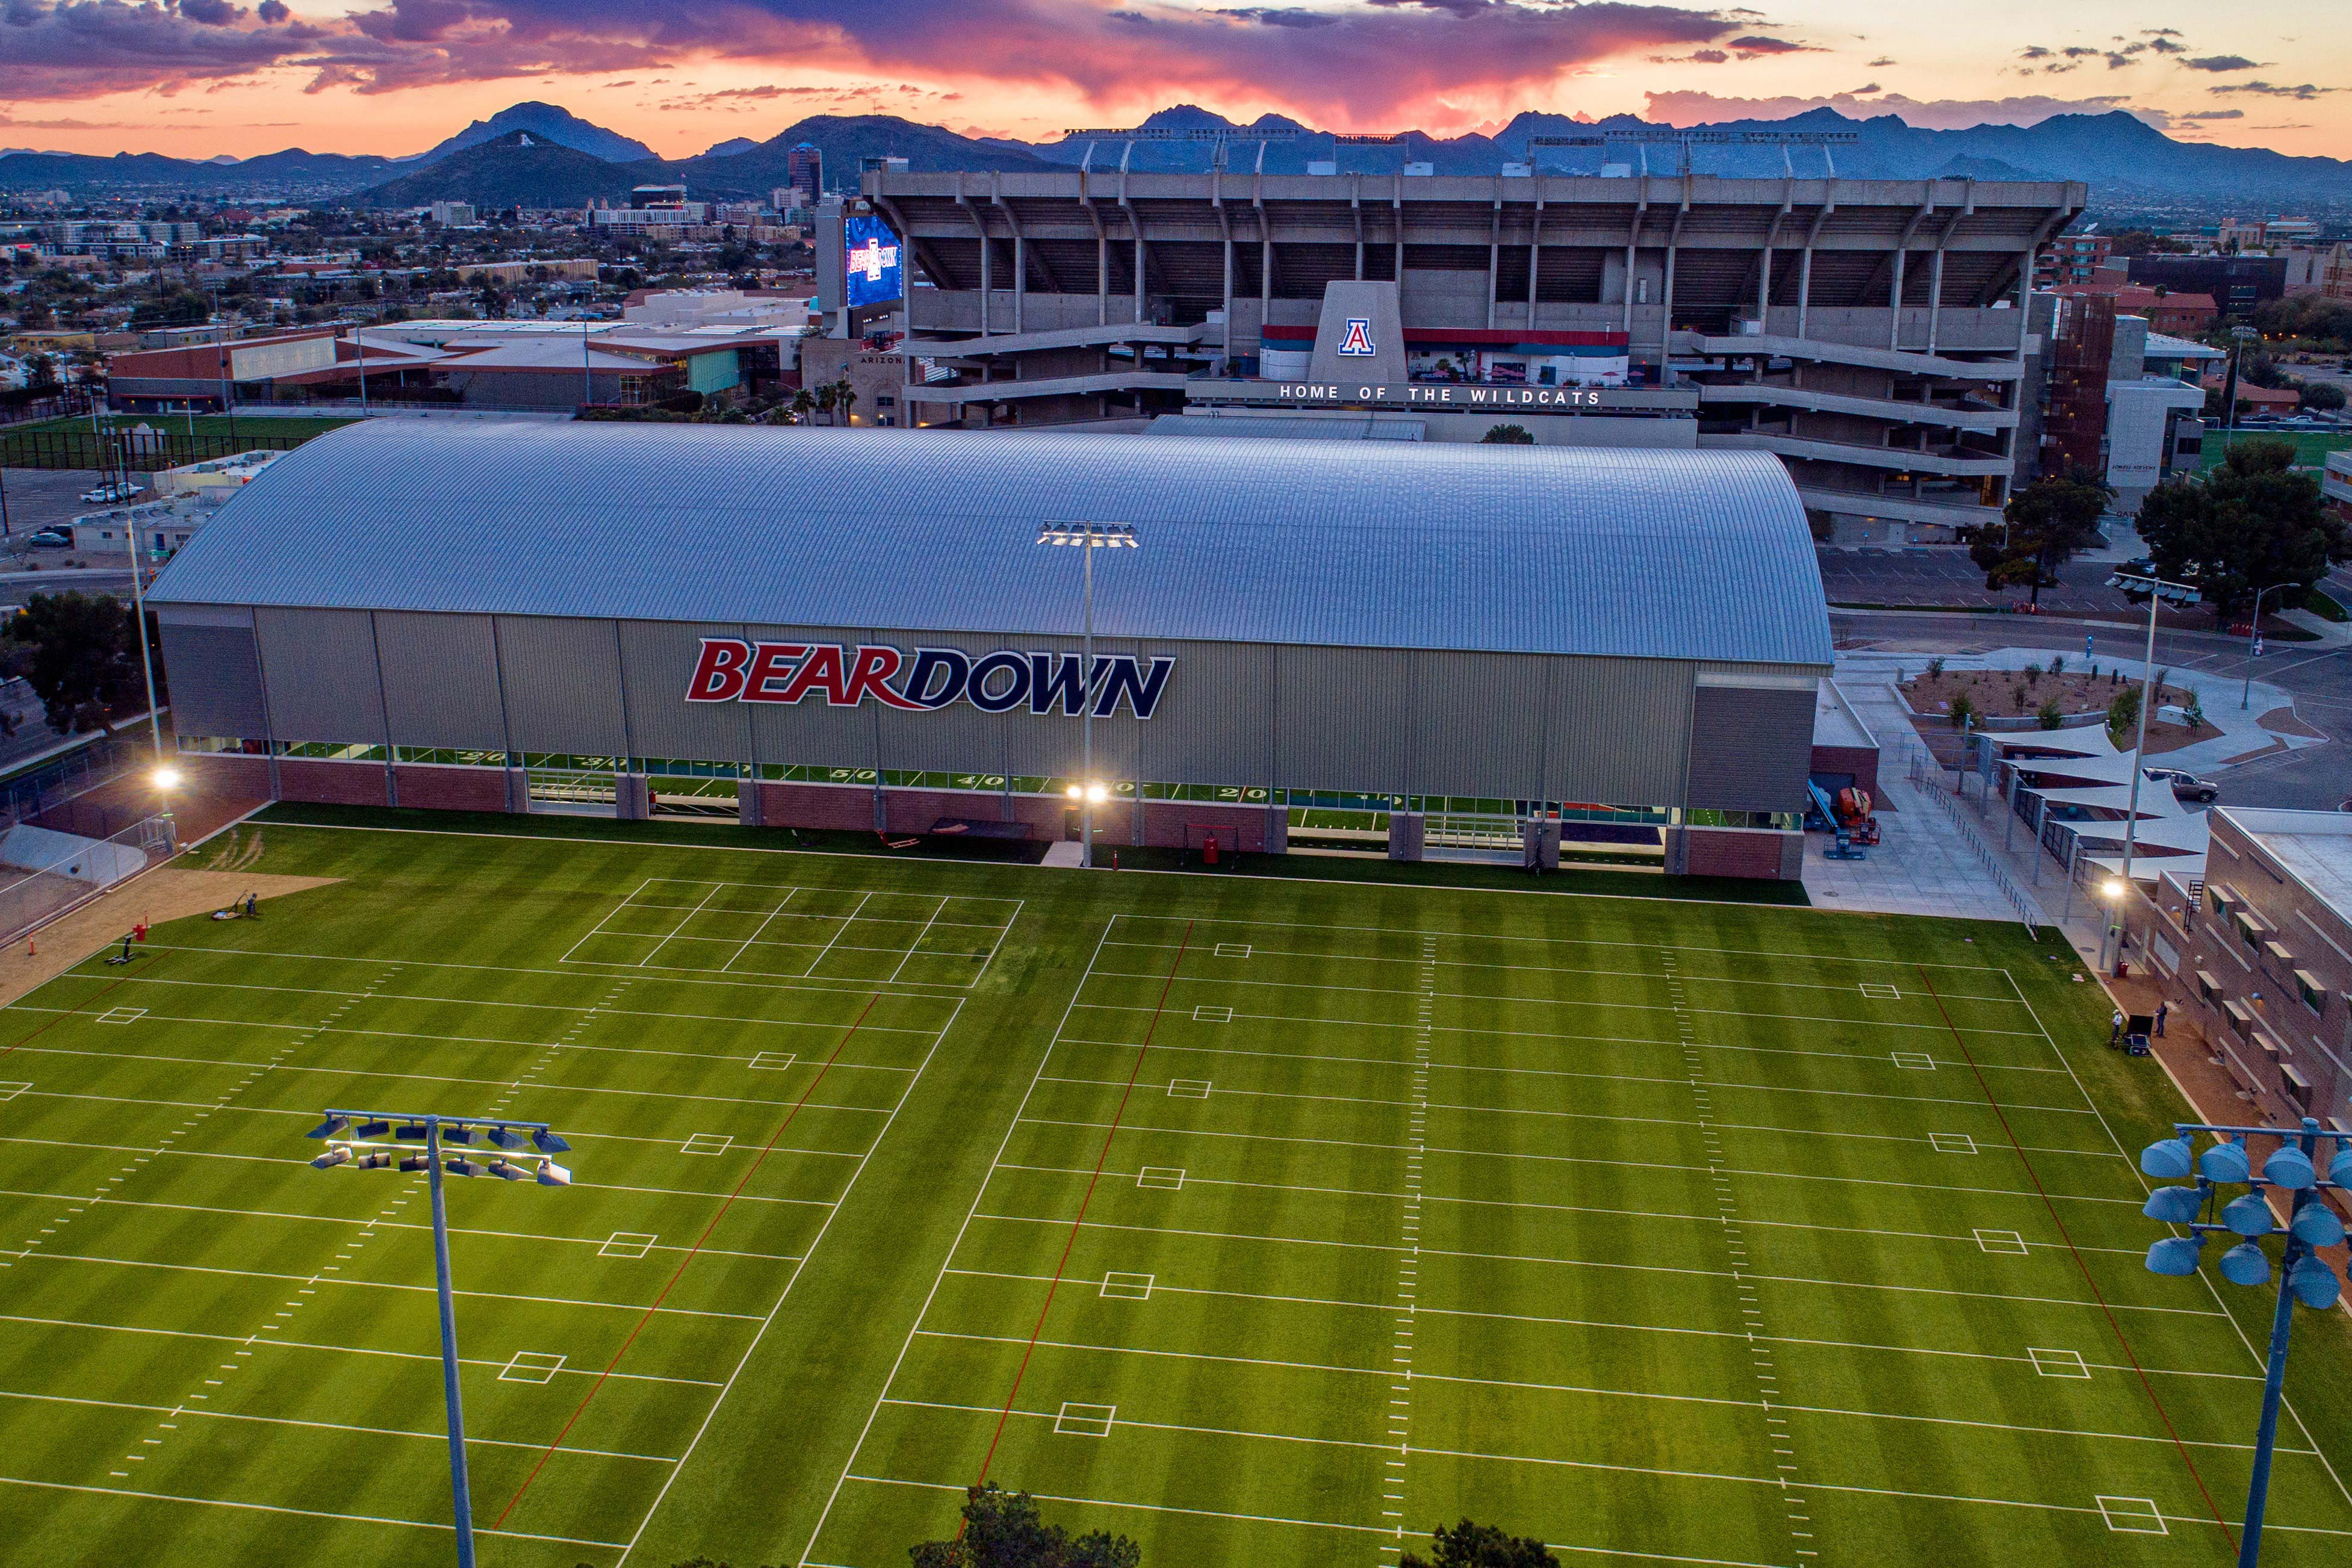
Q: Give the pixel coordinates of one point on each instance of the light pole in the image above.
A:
(432, 1131)
(2304, 1276)
(2239, 338)
(2156, 587)
(2254, 641)
(1090, 537)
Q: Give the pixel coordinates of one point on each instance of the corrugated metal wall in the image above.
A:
(214, 674)
(1640, 732)
(321, 669)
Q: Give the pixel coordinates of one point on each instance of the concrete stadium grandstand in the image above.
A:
(1872, 334)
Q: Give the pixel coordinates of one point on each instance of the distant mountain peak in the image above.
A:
(549, 122)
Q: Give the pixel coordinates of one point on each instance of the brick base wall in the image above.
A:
(1754, 853)
(1862, 761)
(450, 788)
(848, 808)
(227, 771)
(330, 783)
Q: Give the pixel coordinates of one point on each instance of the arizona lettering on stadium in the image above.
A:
(732, 670)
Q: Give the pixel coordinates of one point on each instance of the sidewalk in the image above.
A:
(2242, 735)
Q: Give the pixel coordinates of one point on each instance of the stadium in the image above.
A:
(1873, 335)
(858, 630)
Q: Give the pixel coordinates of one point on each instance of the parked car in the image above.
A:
(2187, 786)
(108, 494)
(50, 538)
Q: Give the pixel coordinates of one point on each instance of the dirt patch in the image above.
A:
(167, 893)
(2018, 693)
(2285, 721)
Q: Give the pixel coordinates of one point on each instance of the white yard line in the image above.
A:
(847, 921)
(1742, 1335)
(736, 1018)
(1426, 1249)
(608, 915)
(1667, 1121)
(1194, 1178)
(1619, 1167)
(932, 1294)
(113, 1202)
(918, 942)
(1240, 1016)
(745, 1359)
(1585, 1002)
(441, 1437)
(1329, 957)
(297, 1513)
(680, 926)
(1417, 932)
(763, 925)
(375, 1285)
(2141, 1182)
(538, 1086)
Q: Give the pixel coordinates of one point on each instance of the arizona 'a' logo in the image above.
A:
(1359, 339)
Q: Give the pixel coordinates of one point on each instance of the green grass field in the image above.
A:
(2311, 447)
(66, 443)
(1266, 1220)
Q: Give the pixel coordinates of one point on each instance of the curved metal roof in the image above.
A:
(1631, 552)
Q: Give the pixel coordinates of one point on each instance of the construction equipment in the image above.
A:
(1847, 816)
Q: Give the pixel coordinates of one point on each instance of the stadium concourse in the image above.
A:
(1408, 650)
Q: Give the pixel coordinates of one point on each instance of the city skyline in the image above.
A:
(208, 78)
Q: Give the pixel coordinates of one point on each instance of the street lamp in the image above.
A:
(2157, 589)
(2254, 641)
(346, 1133)
(1090, 537)
(2304, 1276)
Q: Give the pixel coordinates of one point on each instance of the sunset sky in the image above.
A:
(199, 78)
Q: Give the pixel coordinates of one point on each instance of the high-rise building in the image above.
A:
(804, 167)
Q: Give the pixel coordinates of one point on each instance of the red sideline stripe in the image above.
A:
(1071, 1241)
(2080, 1263)
(691, 1252)
(69, 1013)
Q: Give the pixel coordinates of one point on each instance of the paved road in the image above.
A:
(2320, 679)
(1944, 576)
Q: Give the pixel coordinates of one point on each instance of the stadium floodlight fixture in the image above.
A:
(1089, 537)
(167, 778)
(2291, 1168)
(2112, 887)
(434, 1130)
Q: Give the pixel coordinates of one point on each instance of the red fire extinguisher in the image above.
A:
(1209, 849)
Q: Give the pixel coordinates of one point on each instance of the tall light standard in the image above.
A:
(2254, 642)
(1090, 537)
(2304, 1276)
(432, 1131)
(2158, 589)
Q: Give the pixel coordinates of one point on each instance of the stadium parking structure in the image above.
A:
(1262, 1221)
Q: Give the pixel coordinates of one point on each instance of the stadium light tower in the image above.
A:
(1090, 537)
(346, 1134)
(2157, 590)
(2303, 1275)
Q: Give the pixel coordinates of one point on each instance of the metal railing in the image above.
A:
(56, 782)
(1926, 776)
(67, 870)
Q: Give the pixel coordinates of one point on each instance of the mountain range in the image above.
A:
(536, 154)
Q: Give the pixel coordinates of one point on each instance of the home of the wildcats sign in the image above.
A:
(732, 670)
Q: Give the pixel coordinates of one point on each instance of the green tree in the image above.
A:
(1507, 436)
(1468, 1545)
(2043, 524)
(2050, 715)
(2123, 713)
(2244, 526)
(1003, 1530)
(82, 657)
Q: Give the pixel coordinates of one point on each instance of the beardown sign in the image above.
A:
(732, 670)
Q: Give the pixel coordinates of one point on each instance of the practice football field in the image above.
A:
(1269, 1221)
